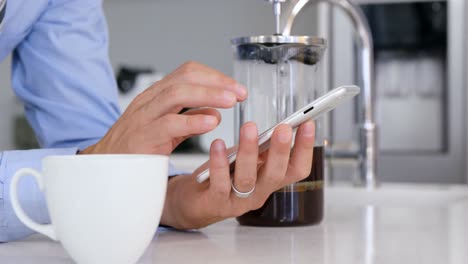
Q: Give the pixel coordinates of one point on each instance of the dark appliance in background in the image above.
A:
(410, 43)
(420, 98)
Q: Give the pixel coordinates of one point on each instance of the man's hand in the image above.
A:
(192, 205)
(151, 124)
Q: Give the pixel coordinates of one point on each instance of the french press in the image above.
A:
(282, 74)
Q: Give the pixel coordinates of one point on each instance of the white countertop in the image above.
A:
(396, 224)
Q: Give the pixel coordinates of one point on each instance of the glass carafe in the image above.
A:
(282, 74)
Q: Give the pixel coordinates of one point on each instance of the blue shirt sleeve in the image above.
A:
(61, 71)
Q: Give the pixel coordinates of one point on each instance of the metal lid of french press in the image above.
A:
(279, 49)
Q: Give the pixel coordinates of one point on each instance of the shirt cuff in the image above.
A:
(173, 171)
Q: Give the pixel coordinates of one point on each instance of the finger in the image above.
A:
(177, 97)
(246, 162)
(220, 185)
(202, 75)
(204, 111)
(302, 154)
(274, 171)
(173, 126)
(194, 73)
(190, 73)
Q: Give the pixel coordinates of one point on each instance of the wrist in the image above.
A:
(184, 208)
(86, 151)
(168, 217)
(98, 148)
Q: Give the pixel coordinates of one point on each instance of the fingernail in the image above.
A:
(308, 129)
(284, 135)
(219, 145)
(210, 120)
(229, 97)
(250, 131)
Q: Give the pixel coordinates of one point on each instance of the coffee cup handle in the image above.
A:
(43, 229)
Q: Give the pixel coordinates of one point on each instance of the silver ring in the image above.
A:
(241, 194)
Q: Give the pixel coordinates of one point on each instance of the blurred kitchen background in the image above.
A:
(420, 68)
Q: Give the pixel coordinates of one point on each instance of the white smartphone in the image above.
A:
(313, 110)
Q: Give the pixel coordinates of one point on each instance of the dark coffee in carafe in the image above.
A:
(294, 205)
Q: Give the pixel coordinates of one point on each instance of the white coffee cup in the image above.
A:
(103, 208)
